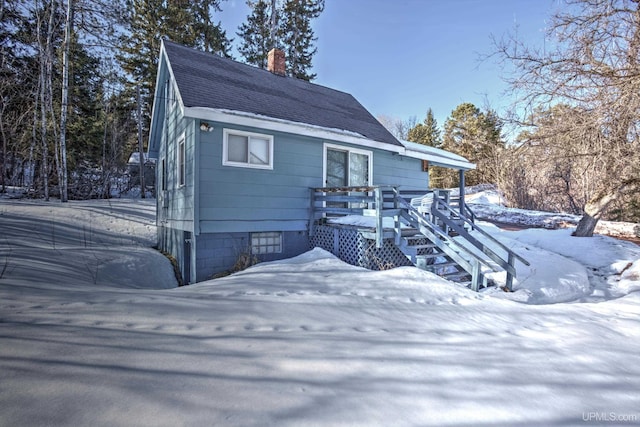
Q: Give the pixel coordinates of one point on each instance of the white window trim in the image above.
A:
(225, 149)
(181, 174)
(328, 146)
(171, 94)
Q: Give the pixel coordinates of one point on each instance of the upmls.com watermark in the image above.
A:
(609, 417)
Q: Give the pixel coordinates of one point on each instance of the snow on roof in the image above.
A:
(436, 156)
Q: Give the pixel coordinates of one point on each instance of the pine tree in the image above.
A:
(149, 21)
(257, 35)
(85, 95)
(209, 36)
(12, 88)
(426, 133)
(141, 44)
(282, 24)
(298, 37)
(475, 135)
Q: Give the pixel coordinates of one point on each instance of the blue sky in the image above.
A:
(401, 57)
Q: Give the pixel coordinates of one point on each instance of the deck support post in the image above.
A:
(379, 225)
(397, 223)
(511, 261)
(475, 277)
(461, 191)
(312, 212)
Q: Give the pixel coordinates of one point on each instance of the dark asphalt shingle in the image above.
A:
(208, 80)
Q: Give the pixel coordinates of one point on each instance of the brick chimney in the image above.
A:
(275, 62)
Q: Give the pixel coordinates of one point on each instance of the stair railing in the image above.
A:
(446, 213)
(443, 241)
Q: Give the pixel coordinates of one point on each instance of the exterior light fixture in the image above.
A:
(206, 127)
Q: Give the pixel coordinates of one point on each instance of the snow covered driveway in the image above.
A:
(93, 332)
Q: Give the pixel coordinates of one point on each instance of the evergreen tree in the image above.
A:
(426, 133)
(257, 34)
(475, 135)
(12, 88)
(282, 24)
(209, 36)
(297, 36)
(85, 96)
(149, 21)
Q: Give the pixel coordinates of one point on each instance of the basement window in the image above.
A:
(246, 149)
(266, 243)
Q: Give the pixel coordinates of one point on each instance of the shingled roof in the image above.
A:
(211, 81)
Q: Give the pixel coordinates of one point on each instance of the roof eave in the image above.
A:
(269, 123)
(440, 161)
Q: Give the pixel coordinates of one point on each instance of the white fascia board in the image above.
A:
(163, 56)
(437, 156)
(441, 161)
(176, 92)
(270, 123)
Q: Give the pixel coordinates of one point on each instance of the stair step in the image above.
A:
(428, 246)
(414, 238)
(447, 264)
(458, 275)
(429, 256)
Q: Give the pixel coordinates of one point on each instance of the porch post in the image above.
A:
(461, 206)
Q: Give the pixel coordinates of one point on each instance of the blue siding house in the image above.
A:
(239, 147)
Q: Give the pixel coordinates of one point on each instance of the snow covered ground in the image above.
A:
(489, 204)
(94, 332)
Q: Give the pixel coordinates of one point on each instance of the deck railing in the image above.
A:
(340, 201)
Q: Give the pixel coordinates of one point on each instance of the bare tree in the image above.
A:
(65, 102)
(398, 127)
(548, 170)
(45, 80)
(594, 67)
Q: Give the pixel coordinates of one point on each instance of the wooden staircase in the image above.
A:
(436, 238)
(427, 256)
(450, 250)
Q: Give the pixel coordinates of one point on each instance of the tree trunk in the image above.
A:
(64, 103)
(586, 226)
(45, 83)
(273, 25)
(597, 206)
(140, 148)
(4, 155)
(43, 133)
(34, 135)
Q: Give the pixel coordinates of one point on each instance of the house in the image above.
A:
(239, 147)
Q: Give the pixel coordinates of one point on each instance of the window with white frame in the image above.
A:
(182, 176)
(246, 149)
(266, 243)
(347, 167)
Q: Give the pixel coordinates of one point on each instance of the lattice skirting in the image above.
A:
(348, 244)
